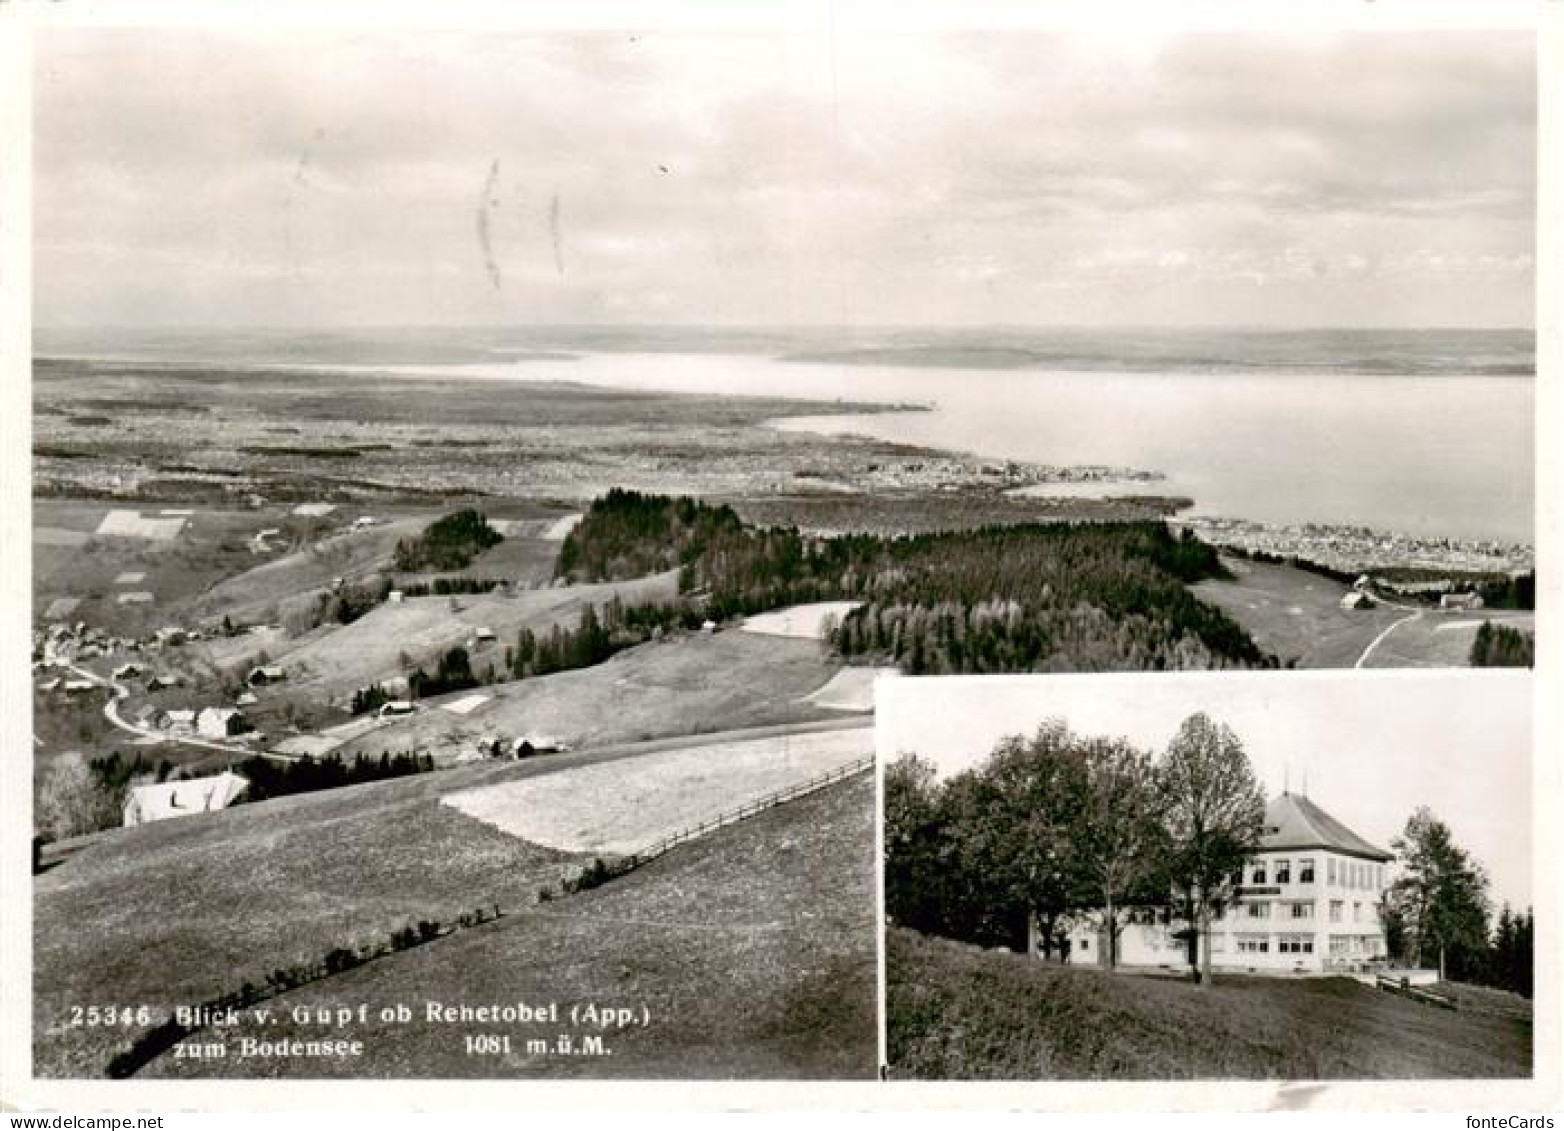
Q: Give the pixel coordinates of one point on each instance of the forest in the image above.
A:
(448, 543)
(1035, 597)
(1500, 646)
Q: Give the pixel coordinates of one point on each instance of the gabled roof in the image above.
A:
(1293, 822)
(182, 798)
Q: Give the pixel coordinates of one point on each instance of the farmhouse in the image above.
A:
(1460, 601)
(220, 722)
(263, 675)
(182, 798)
(162, 680)
(127, 671)
(151, 715)
(533, 743)
(79, 686)
(182, 719)
(1357, 599)
(1308, 903)
(396, 707)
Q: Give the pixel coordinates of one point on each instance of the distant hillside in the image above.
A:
(958, 1012)
(1029, 597)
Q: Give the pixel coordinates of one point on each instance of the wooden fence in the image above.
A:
(749, 809)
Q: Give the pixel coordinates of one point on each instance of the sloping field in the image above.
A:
(752, 951)
(178, 911)
(1438, 639)
(254, 594)
(683, 685)
(805, 621)
(616, 807)
(851, 689)
(134, 524)
(1294, 614)
(422, 628)
(53, 536)
(960, 1012)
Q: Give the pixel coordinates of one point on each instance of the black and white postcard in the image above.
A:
(493, 491)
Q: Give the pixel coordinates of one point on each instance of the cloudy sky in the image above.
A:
(204, 177)
(1368, 746)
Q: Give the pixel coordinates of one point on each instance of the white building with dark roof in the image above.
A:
(1308, 903)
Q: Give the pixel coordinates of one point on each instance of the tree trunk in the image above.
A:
(1113, 936)
(1203, 940)
(1441, 962)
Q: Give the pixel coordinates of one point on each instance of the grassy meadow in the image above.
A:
(956, 1011)
(752, 949)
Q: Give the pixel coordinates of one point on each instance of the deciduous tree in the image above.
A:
(1214, 811)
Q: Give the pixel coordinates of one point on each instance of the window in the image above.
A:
(1257, 873)
(1335, 910)
(1304, 909)
(1357, 912)
(1284, 871)
(1330, 869)
(1259, 911)
(1295, 944)
(1085, 945)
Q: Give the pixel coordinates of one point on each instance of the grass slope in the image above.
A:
(688, 684)
(958, 1012)
(336, 663)
(752, 949)
(176, 912)
(1294, 614)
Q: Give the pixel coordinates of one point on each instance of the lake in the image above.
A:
(1440, 456)
(1427, 433)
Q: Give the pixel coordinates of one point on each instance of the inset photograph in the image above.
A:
(1311, 875)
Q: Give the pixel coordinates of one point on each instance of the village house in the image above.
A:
(1357, 599)
(181, 719)
(127, 671)
(151, 715)
(220, 722)
(396, 707)
(1308, 903)
(165, 800)
(1460, 601)
(261, 676)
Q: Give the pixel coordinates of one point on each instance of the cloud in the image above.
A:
(904, 178)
